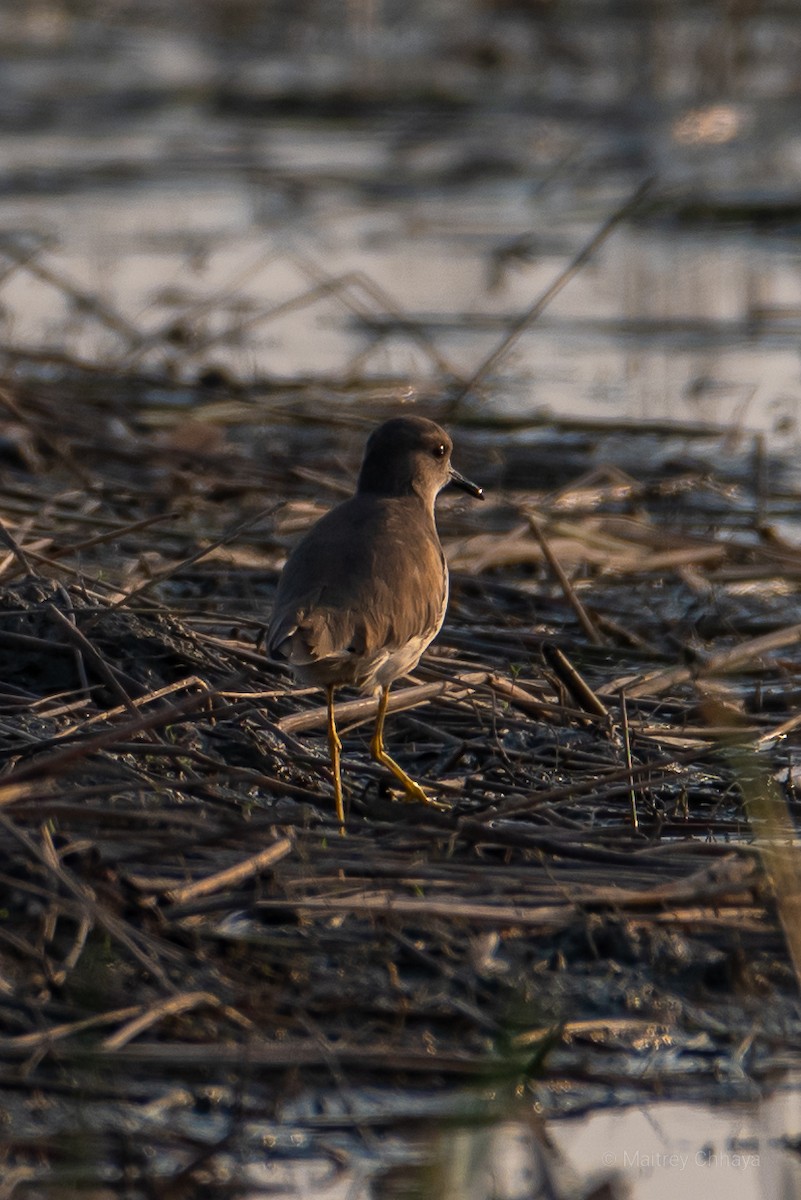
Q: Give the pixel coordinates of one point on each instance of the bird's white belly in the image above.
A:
(389, 665)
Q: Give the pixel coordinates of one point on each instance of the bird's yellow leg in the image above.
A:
(335, 750)
(412, 790)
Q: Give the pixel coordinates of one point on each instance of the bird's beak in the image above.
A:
(471, 488)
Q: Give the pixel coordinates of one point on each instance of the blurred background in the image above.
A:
(230, 192)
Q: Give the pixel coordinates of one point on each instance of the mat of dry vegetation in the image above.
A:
(605, 906)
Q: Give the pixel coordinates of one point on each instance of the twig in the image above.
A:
(228, 536)
(238, 873)
(584, 618)
(170, 1007)
(624, 721)
(82, 643)
(716, 664)
(113, 925)
(51, 764)
(541, 303)
(357, 710)
(576, 685)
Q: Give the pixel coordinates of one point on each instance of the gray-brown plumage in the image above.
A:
(365, 591)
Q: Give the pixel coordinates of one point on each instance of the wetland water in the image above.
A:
(257, 195)
(311, 205)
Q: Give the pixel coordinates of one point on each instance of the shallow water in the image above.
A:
(206, 187)
(644, 1152)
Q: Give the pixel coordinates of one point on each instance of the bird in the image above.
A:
(365, 591)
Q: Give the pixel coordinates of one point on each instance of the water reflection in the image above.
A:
(692, 1150)
(653, 1152)
(284, 243)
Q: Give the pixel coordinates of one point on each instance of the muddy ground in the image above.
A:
(603, 908)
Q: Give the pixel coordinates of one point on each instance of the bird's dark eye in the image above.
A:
(439, 451)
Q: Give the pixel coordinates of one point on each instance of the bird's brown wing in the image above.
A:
(345, 598)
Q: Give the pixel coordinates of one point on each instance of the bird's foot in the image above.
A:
(414, 794)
